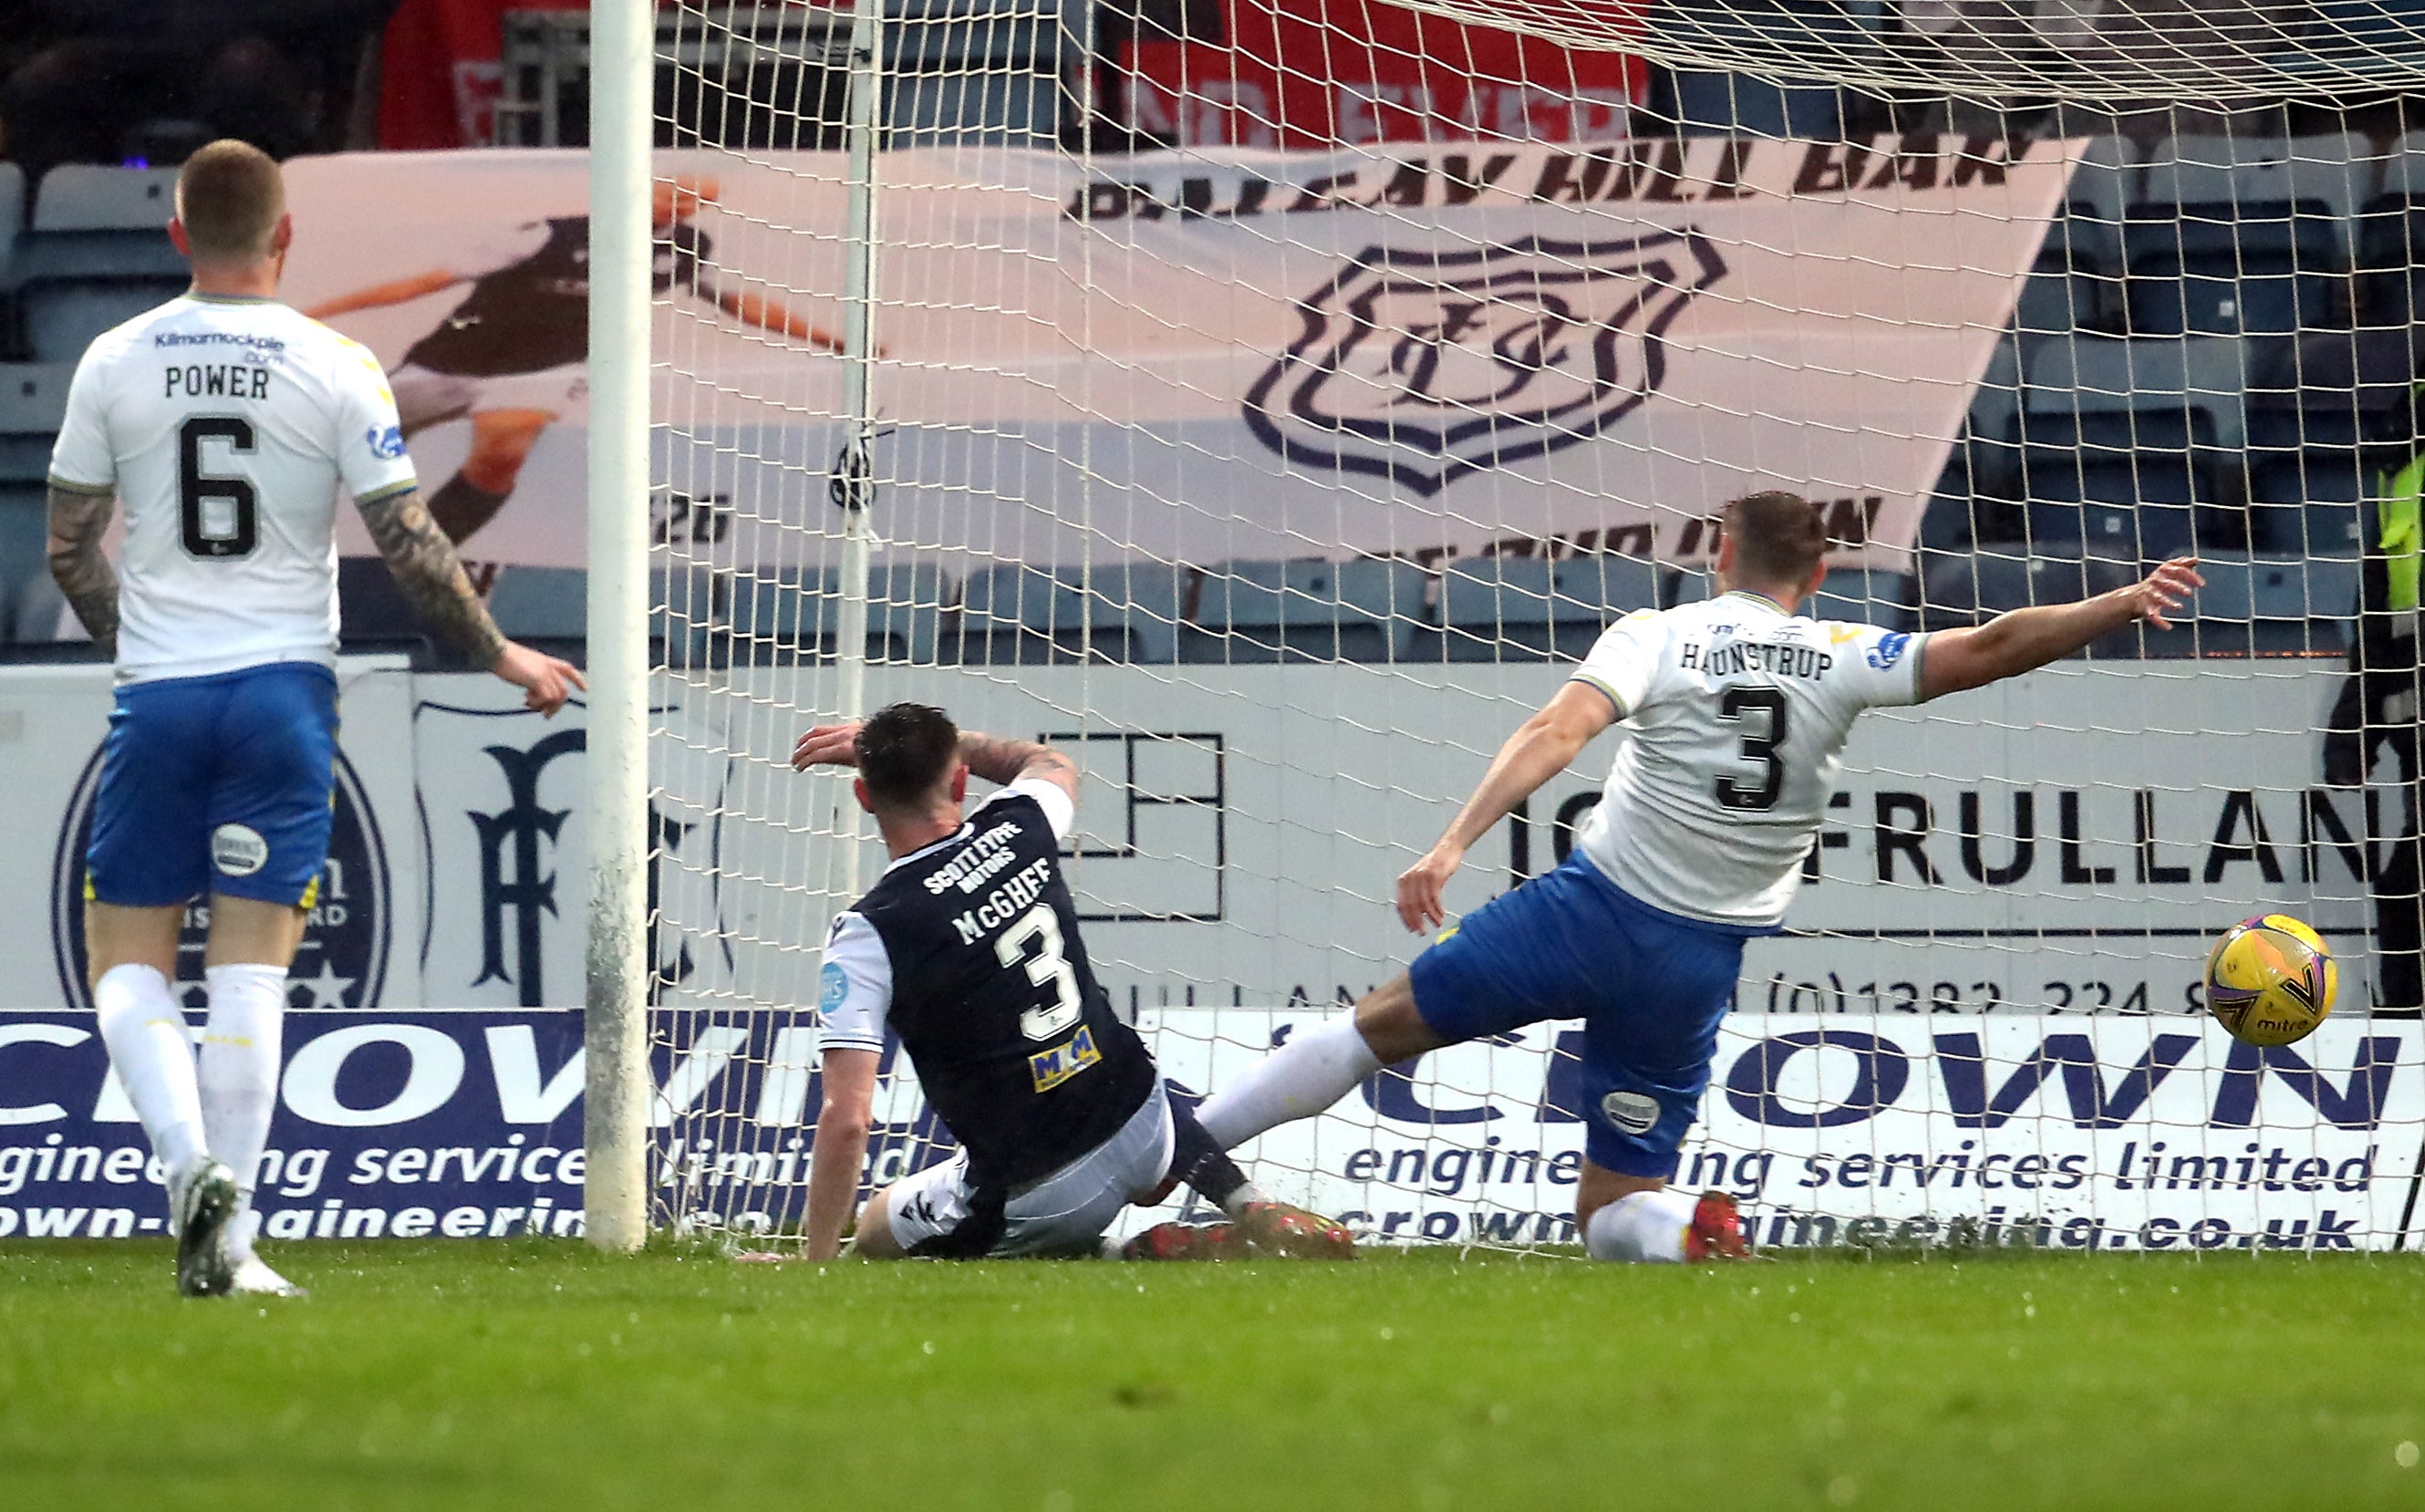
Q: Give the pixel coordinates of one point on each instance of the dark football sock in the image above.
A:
(461, 507)
(1199, 1160)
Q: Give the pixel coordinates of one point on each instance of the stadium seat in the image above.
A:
(28, 602)
(2271, 605)
(689, 603)
(1304, 609)
(33, 401)
(2305, 503)
(2095, 375)
(1118, 612)
(12, 213)
(2229, 235)
(1710, 103)
(62, 316)
(1864, 595)
(1528, 608)
(787, 616)
(1969, 591)
(542, 603)
(89, 197)
(2088, 232)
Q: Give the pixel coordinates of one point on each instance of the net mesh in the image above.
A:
(1268, 401)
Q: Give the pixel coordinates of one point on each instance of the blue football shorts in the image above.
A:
(1650, 985)
(216, 784)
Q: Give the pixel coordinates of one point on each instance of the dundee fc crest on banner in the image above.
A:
(1424, 364)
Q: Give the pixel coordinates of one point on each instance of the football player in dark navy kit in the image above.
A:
(514, 355)
(968, 949)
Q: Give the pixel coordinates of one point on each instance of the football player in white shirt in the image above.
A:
(226, 423)
(1740, 708)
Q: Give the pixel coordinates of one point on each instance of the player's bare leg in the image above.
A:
(132, 956)
(1637, 1218)
(252, 944)
(874, 1238)
(501, 443)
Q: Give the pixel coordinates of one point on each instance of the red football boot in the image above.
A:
(1716, 1230)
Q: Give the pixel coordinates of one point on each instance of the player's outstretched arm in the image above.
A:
(1539, 750)
(838, 1146)
(2019, 640)
(379, 296)
(995, 758)
(86, 579)
(431, 576)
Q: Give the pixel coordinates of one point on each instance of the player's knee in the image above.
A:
(1391, 1026)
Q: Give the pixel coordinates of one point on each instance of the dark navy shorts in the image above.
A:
(1650, 985)
(216, 784)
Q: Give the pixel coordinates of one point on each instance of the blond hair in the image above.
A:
(230, 197)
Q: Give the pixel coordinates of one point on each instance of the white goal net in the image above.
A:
(1264, 399)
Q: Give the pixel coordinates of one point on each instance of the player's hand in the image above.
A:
(546, 680)
(827, 746)
(1420, 885)
(2165, 590)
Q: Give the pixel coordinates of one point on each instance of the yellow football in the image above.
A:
(2271, 980)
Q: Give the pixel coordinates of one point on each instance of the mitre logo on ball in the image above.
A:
(1425, 364)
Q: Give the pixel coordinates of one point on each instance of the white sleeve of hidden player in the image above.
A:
(1060, 808)
(853, 986)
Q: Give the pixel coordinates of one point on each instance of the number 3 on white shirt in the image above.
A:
(1046, 965)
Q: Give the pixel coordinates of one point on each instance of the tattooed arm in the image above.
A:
(85, 577)
(994, 758)
(432, 578)
(1002, 761)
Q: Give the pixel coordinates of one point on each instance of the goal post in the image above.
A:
(1267, 400)
(622, 51)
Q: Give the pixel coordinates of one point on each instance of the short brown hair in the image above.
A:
(904, 750)
(1780, 537)
(230, 195)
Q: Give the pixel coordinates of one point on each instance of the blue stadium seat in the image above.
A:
(62, 316)
(96, 252)
(1737, 104)
(1869, 596)
(77, 196)
(28, 602)
(1119, 612)
(1958, 591)
(543, 603)
(33, 401)
(2271, 605)
(1528, 608)
(1303, 610)
(689, 603)
(2305, 503)
(790, 617)
(2231, 236)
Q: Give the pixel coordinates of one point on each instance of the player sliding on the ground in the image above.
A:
(227, 422)
(1739, 709)
(968, 946)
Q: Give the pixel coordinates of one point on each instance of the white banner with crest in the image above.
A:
(1210, 355)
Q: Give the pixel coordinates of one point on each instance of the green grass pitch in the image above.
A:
(527, 1375)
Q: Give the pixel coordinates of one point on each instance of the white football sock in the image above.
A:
(239, 1075)
(1312, 1070)
(1642, 1227)
(153, 1052)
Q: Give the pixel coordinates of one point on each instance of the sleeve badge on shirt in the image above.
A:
(388, 442)
(1888, 650)
(833, 985)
